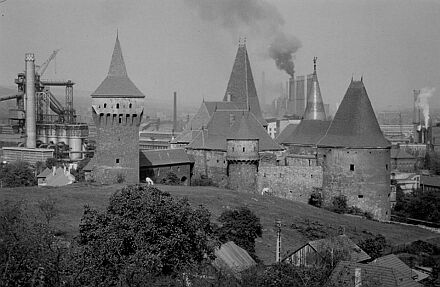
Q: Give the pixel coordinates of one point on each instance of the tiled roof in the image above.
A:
(308, 132)
(117, 83)
(392, 261)
(60, 178)
(345, 273)
(224, 124)
(355, 124)
(244, 132)
(44, 173)
(343, 242)
(149, 158)
(233, 259)
(241, 86)
(397, 153)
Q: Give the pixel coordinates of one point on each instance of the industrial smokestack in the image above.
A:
(30, 101)
(175, 113)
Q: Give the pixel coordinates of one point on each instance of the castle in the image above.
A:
(346, 156)
(229, 143)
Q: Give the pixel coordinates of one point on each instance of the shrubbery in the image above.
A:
(171, 179)
(17, 174)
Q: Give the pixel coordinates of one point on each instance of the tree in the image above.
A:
(51, 162)
(30, 255)
(339, 204)
(423, 205)
(171, 179)
(241, 226)
(144, 234)
(374, 246)
(16, 174)
(79, 172)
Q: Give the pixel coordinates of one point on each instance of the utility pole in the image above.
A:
(278, 248)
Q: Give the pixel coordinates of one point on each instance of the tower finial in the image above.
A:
(362, 78)
(314, 64)
(117, 33)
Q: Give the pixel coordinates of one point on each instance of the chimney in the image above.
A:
(175, 114)
(53, 170)
(231, 119)
(30, 101)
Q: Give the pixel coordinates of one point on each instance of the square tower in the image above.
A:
(117, 109)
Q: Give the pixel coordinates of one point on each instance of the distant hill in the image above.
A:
(71, 200)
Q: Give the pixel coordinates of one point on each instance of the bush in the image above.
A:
(316, 199)
(374, 246)
(17, 174)
(171, 179)
(203, 181)
(51, 162)
(120, 178)
(339, 204)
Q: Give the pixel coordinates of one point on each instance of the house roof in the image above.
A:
(345, 274)
(392, 261)
(224, 124)
(355, 124)
(117, 83)
(241, 86)
(342, 242)
(233, 259)
(44, 173)
(430, 180)
(397, 153)
(149, 158)
(59, 178)
(307, 132)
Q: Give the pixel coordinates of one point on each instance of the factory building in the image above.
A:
(117, 109)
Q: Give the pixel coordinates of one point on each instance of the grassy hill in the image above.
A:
(71, 199)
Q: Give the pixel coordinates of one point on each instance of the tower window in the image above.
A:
(120, 120)
(232, 148)
(105, 105)
(117, 106)
(360, 196)
(352, 167)
(117, 160)
(129, 106)
(386, 166)
(244, 149)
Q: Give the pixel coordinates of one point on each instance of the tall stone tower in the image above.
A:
(117, 109)
(356, 156)
(315, 106)
(243, 158)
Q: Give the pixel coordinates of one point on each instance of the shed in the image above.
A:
(232, 259)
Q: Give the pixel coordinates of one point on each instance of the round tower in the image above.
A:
(243, 158)
(356, 156)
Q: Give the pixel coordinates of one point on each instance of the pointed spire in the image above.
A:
(241, 87)
(117, 83)
(355, 124)
(117, 65)
(315, 106)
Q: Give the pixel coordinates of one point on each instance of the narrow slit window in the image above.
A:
(352, 167)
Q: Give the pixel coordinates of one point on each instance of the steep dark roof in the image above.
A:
(344, 275)
(244, 132)
(241, 86)
(308, 132)
(44, 173)
(224, 124)
(392, 261)
(150, 158)
(117, 83)
(355, 124)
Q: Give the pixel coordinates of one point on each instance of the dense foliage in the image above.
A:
(171, 179)
(374, 246)
(79, 172)
(16, 174)
(144, 233)
(241, 226)
(423, 205)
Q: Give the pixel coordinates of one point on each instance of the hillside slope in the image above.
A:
(71, 199)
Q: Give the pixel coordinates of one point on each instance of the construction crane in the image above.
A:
(44, 66)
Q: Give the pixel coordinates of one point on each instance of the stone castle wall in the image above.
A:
(243, 176)
(210, 164)
(362, 175)
(296, 182)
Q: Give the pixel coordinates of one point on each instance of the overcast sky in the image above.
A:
(189, 46)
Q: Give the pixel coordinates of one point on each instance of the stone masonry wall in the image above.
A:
(243, 176)
(362, 175)
(291, 182)
(211, 164)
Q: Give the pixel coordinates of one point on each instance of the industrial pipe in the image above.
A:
(30, 101)
(10, 97)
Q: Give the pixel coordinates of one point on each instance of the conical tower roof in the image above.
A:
(241, 87)
(315, 106)
(355, 124)
(117, 83)
(244, 132)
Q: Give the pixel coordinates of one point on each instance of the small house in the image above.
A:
(56, 177)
